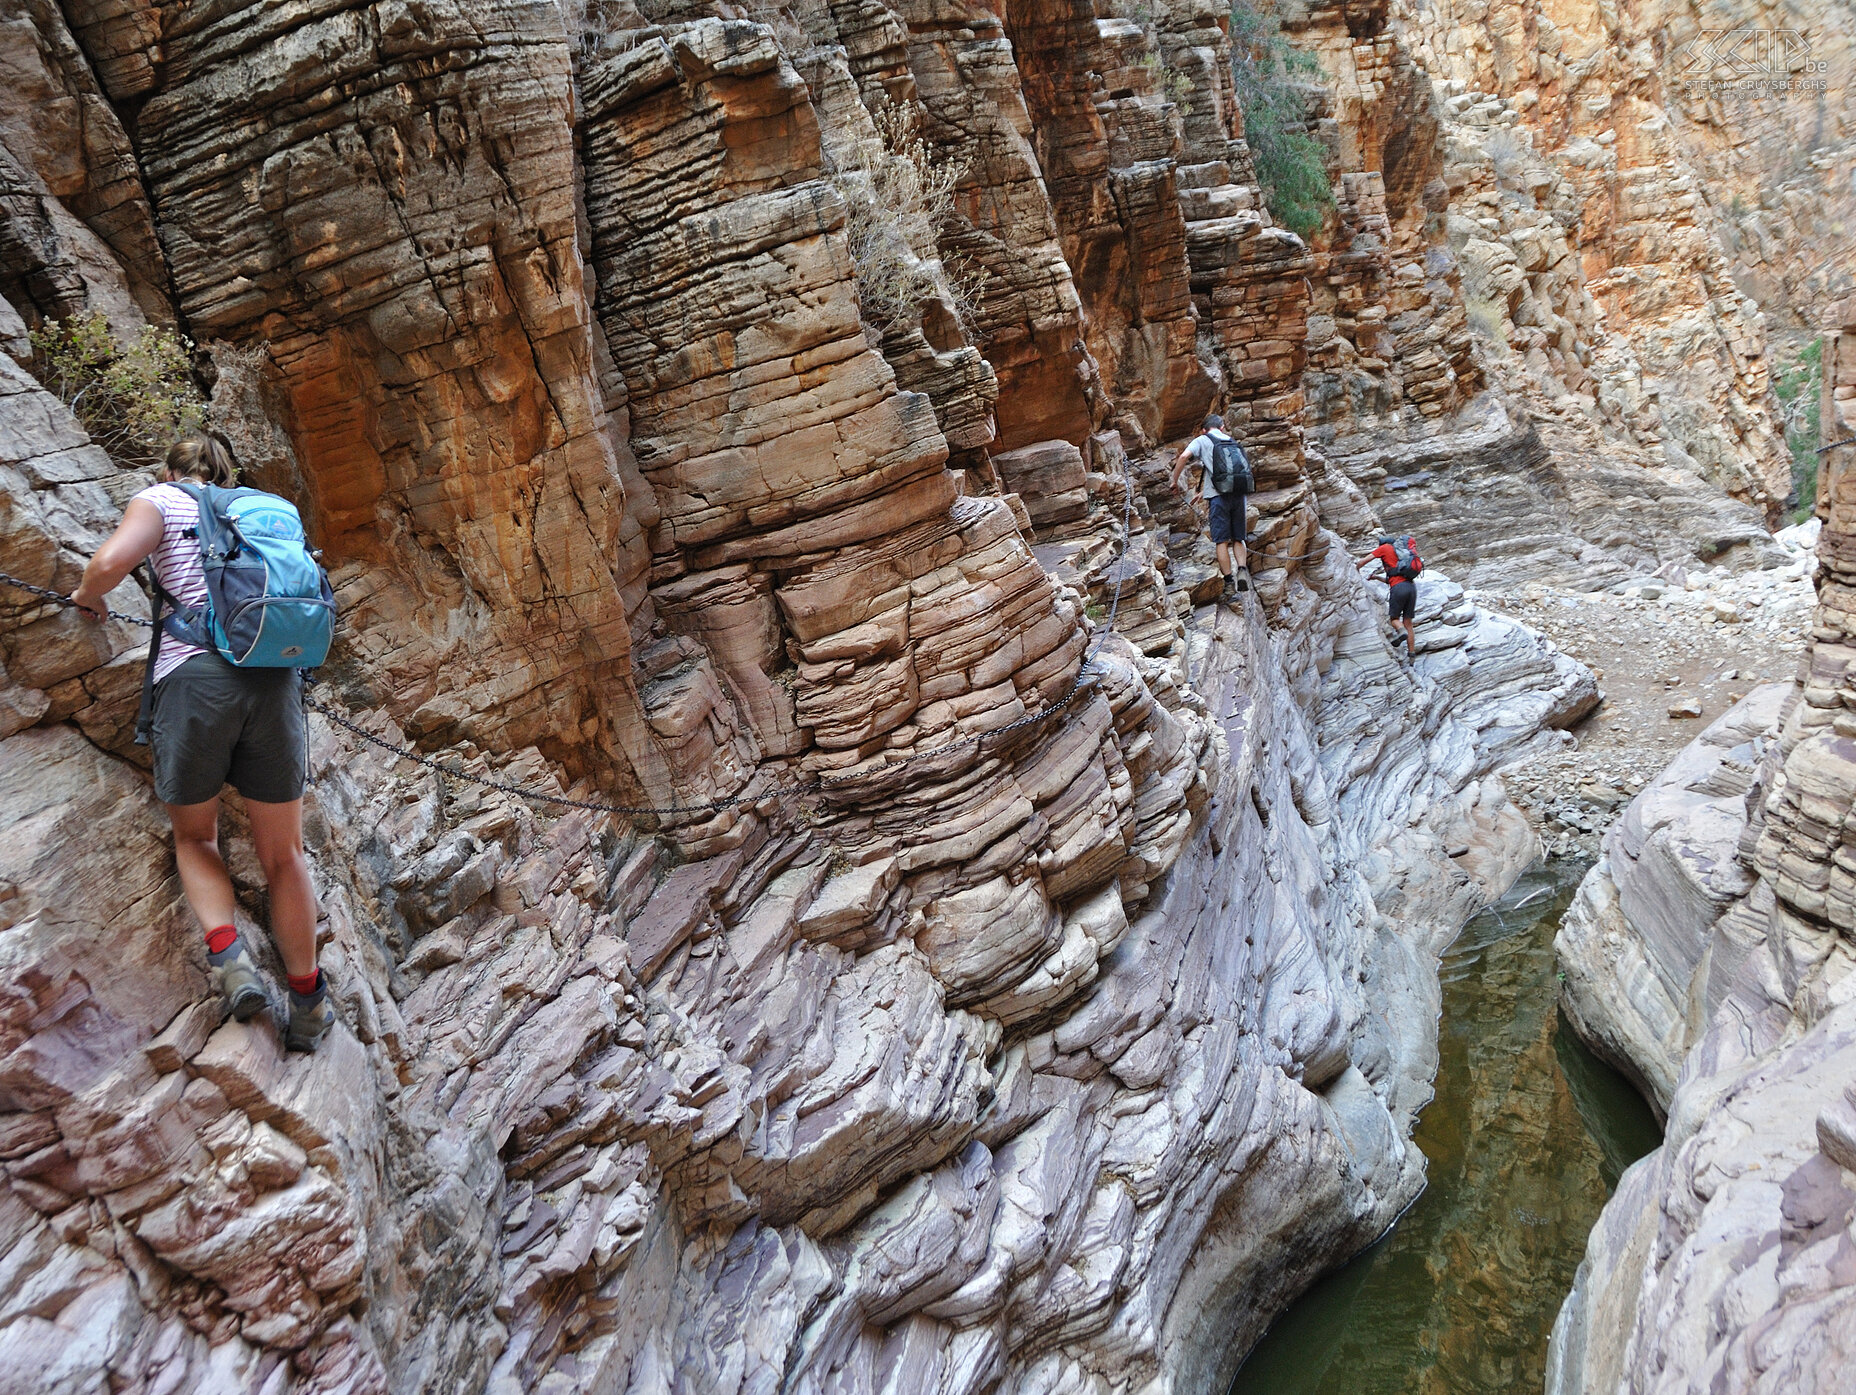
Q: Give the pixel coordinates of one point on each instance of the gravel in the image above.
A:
(1672, 654)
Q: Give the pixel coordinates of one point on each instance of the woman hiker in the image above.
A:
(215, 724)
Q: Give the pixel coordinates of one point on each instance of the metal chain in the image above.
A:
(407, 754)
(714, 806)
(1250, 551)
(63, 599)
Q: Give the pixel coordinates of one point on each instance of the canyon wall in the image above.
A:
(1011, 971)
(1634, 224)
(1007, 972)
(1710, 954)
(601, 1114)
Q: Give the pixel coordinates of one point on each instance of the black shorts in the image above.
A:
(214, 724)
(1227, 518)
(1402, 600)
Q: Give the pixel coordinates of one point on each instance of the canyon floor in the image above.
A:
(1705, 640)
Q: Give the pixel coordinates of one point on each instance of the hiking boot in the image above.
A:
(236, 978)
(1228, 596)
(1241, 581)
(311, 1016)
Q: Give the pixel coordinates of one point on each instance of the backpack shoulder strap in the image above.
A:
(145, 715)
(209, 531)
(215, 530)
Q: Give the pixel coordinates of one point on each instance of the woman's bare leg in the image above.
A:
(277, 832)
(203, 875)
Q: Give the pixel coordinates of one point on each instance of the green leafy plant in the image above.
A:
(1796, 385)
(133, 399)
(1270, 73)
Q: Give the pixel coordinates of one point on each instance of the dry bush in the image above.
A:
(788, 32)
(898, 198)
(133, 399)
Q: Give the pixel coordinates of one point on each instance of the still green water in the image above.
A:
(1526, 1139)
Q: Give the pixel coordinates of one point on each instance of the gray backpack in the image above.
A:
(1230, 467)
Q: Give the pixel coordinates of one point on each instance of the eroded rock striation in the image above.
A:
(1712, 958)
(1025, 976)
(1631, 225)
(892, 1089)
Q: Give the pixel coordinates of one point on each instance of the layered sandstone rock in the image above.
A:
(1581, 186)
(1719, 1259)
(1030, 982)
(843, 1099)
(1637, 976)
(76, 233)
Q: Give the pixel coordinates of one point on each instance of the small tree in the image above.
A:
(133, 400)
(1291, 164)
(1796, 384)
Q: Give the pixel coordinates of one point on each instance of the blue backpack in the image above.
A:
(268, 599)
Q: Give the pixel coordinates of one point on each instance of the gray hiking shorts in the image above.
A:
(216, 725)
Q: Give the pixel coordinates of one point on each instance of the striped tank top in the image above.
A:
(177, 566)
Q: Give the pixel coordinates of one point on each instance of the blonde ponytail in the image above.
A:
(204, 456)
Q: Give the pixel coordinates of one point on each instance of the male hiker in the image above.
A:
(1399, 556)
(215, 723)
(1224, 480)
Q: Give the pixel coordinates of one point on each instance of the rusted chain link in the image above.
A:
(452, 772)
(1250, 552)
(63, 599)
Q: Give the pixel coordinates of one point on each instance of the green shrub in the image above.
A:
(133, 400)
(1796, 384)
(1291, 164)
(1485, 318)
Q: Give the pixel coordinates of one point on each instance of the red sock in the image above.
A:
(304, 984)
(220, 940)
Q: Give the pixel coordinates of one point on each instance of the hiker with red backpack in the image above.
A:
(1225, 480)
(223, 701)
(1399, 556)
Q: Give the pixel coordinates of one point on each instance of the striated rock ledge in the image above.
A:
(601, 1118)
(1713, 958)
(1639, 982)
(920, 1046)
